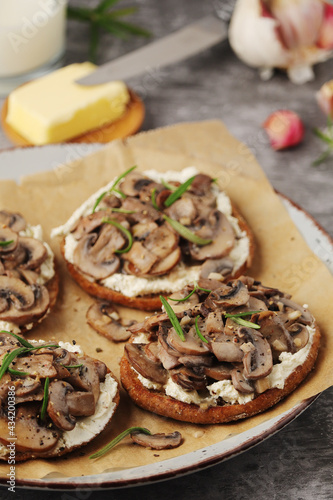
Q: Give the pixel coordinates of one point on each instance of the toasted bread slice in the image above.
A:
(150, 302)
(194, 396)
(80, 403)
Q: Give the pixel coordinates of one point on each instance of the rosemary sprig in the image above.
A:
(178, 192)
(72, 366)
(238, 318)
(113, 188)
(6, 243)
(45, 398)
(24, 342)
(17, 372)
(123, 229)
(196, 287)
(197, 329)
(168, 186)
(173, 318)
(326, 138)
(185, 232)
(10, 356)
(103, 18)
(153, 199)
(117, 440)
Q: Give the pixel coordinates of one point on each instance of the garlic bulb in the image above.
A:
(288, 34)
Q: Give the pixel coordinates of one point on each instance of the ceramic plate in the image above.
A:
(15, 163)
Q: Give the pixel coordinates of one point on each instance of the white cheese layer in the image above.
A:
(46, 270)
(181, 275)
(224, 388)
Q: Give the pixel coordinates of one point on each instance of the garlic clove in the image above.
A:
(289, 34)
(325, 38)
(284, 129)
(325, 98)
(299, 20)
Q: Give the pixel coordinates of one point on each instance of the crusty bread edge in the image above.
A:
(148, 302)
(20, 456)
(161, 404)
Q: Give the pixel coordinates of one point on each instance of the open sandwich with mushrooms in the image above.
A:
(147, 234)
(28, 279)
(220, 352)
(53, 398)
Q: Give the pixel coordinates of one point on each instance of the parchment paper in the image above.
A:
(282, 259)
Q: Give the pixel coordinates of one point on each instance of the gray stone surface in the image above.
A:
(296, 463)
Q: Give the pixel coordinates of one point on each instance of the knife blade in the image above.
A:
(179, 45)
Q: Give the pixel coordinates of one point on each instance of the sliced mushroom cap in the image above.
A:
(227, 349)
(30, 433)
(80, 404)
(142, 211)
(140, 259)
(86, 377)
(299, 334)
(28, 389)
(57, 407)
(141, 230)
(219, 371)
(272, 328)
(257, 362)
(8, 240)
(12, 260)
(183, 210)
(157, 441)
(161, 241)
(133, 182)
(96, 266)
(167, 264)
(305, 317)
(183, 305)
(166, 356)
(7, 343)
(145, 366)
(104, 318)
(219, 229)
(37, 366)
(15, 292)
(239, 381)
(200, 185)
(212, 267)
(35, 252)
(192, 345)
(31, 314)
(14, 221)
(190, 379)
(230, 295)
(89, 223)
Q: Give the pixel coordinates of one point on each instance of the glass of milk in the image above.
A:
(32, 39)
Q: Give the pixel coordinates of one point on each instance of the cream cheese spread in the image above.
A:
(181, 275)
(224, 388)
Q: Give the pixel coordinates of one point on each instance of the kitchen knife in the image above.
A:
(177, 46)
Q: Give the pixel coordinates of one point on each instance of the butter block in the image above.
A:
(54, 108)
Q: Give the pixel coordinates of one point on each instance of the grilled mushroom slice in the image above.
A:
(213, 267)
(218, 228)
(99, 263)
(233, 295)
(144, 365)
(35, 252)
(104, 318)
(23, 315)
(239, 382)
(8, 240)
(14, 221)
(258, 362)
(57, 406)
(132, 184)
(14, 291)
(159, 441)
(89, 223)
(30, 433)
(299, 334)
